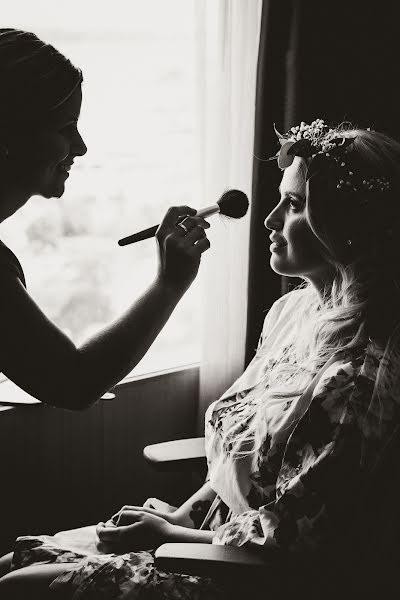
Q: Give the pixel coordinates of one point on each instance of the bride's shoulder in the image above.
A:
(287, 303)
(293, 297)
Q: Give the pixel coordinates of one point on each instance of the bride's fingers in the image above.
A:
(149, 503)
(101, 524)
(107, 525)
(99, 527)
(129, 516)
(108, 534)
(115, 517)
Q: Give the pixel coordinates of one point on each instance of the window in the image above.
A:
(138, 121)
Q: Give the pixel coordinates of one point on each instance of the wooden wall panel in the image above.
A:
(62, 469)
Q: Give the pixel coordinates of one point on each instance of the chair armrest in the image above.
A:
(209, 560)
(190, 453)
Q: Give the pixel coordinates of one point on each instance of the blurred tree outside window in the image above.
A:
(138, 121)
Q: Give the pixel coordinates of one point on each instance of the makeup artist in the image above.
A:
(39, 142)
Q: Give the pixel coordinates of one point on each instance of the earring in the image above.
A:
(349, 242)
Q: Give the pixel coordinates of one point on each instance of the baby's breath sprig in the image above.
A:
(322, 144)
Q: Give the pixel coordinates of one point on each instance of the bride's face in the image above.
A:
(295, 251)
(40, 160)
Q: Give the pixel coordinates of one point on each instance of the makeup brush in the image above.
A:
(233, 203)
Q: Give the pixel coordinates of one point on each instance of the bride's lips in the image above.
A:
(274, 247)
(278, 242)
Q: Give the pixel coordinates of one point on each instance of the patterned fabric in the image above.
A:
(302, 490)
(93, 575)
(131, 575)
(298, 494)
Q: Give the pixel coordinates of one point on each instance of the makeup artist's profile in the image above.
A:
(40, 144)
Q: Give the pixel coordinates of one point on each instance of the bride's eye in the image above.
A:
(295, 204)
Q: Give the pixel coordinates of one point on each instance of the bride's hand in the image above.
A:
(168, 515)
(134, 530)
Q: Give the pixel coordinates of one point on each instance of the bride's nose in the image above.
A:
(274, 220)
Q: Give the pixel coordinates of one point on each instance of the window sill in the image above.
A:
(12, 396)
(158, 373)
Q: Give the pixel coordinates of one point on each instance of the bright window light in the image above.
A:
(138, 121)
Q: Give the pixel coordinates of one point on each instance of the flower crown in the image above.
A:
(326, 148)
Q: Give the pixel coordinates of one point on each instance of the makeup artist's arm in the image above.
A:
(43, 361)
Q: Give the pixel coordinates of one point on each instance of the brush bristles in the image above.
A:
(233, 203)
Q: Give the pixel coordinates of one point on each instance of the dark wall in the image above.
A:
(62, 469)
(337, 60)
(343, 63)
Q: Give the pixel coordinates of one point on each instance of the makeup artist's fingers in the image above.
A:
(175, 214)
(193, 222)
(199, 247)
(194, 234)
(179, 260)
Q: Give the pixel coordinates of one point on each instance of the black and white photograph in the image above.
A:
(199, 299)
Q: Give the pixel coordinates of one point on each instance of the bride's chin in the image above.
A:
(277, 265)
(279, 269)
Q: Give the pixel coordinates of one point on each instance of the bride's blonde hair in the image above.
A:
(362, 299)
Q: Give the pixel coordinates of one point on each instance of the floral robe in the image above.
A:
(297, 496)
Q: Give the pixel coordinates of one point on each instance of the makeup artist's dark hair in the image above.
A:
(35, 78)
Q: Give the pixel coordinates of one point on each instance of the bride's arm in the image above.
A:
(137, 527)
(190, 515)
(192, 512)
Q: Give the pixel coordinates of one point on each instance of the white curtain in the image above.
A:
(227, 52)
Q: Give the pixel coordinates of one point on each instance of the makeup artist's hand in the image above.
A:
(181, 247)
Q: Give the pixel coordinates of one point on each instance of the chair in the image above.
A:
(369, 565)
(189, 453)
(240, 570)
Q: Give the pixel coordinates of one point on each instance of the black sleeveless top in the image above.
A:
(9, 263)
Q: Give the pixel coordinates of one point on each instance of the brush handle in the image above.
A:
(148, 233)
(208, 211)
(139, 236)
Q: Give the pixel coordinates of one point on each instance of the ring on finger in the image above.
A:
(199, 236)
(183, 226)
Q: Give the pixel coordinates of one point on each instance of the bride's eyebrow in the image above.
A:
(287, 194)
